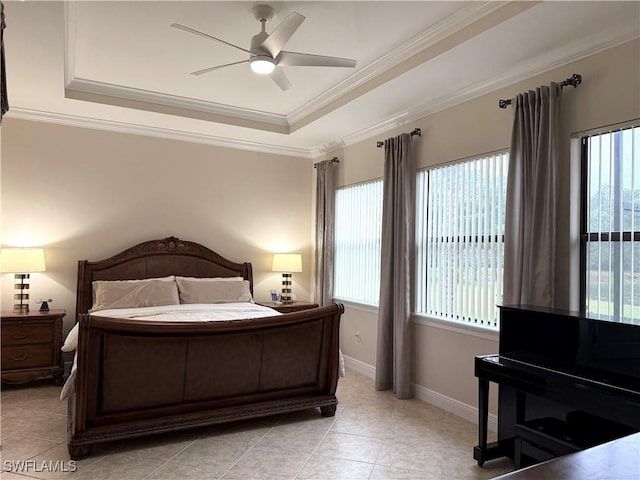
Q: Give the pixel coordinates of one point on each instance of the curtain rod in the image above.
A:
(333, 160)
(574, 81)
(415, 131)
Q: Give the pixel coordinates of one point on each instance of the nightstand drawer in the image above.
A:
(26, 334)
(25, 357)
(31, 346)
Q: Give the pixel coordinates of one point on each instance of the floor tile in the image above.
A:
(326, 468)
(66, 468)
(117, 467)
(350, 447)
(35, 423)
(159, 447)
(172, 471)
(268, 464)
(18, 447)
(381, 472)
(294, 436)
(372, 436)
(217, 455)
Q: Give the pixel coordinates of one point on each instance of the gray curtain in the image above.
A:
(393, 362)
(530, 216)
(4, 101)
(325, 200)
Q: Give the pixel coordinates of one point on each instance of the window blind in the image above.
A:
(460, 240)
(611, 219)
(358, 231)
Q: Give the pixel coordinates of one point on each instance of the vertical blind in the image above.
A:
(460, 240)
(611, 219)
(358, 231)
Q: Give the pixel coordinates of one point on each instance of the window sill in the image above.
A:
(463, 328)
(363, 307)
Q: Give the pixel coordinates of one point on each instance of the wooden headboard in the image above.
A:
(156, 258)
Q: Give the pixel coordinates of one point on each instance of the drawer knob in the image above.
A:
(20, 337)
(20, 358)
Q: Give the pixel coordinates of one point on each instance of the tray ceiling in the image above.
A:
(120, 65)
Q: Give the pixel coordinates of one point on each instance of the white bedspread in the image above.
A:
(172, 313)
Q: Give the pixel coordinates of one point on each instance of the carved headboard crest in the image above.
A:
(168, 245)
(171, 244)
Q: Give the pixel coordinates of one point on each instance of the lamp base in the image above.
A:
(21, 309)
(286, 298)
(22, 293)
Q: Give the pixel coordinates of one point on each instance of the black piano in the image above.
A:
(567, 382)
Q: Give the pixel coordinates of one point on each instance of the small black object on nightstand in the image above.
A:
(44, 307)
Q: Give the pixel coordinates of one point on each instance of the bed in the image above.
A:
(140, 376)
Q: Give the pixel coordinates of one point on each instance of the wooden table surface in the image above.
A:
(616, 460)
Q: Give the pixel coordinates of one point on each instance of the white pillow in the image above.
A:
(213, 290)
(149, 292)
(211, 279)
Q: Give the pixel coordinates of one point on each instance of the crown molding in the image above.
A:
(166, 133)
(531, 68)
(118, 95)
(443, 29)
(366, 133)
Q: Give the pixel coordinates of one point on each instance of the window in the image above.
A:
(611, 224)
(460, 240)
(358, 232)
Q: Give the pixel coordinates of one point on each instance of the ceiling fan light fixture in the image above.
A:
(262, 64)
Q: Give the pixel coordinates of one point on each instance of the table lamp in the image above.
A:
(21, 262)
(287, 263)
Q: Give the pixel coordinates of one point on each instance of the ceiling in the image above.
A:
(120, 66)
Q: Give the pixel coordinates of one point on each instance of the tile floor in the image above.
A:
(372, 436)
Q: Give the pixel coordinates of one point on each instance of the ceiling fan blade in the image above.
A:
(280, 79)
(207, 70)
(275, 42)
(206, 35)
(294, 59)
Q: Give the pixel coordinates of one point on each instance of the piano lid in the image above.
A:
(602, 350)
(574, 313)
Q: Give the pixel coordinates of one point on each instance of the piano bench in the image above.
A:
(543, 439)
(546, 438)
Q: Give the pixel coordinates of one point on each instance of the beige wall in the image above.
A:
(88, 194)
(609, 94)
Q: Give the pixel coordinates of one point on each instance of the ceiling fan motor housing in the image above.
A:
(256, 41)
(260, 60)
(262, 12)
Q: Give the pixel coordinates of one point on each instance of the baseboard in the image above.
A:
(451, 405)
(359, 367)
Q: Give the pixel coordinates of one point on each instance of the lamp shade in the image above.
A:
(287, 262)
(22, 260)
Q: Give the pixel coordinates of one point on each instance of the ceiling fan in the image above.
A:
(266, 55)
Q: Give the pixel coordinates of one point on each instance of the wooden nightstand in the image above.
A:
(290, 307)
(31, 346)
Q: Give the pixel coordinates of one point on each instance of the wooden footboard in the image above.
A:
(138, 377)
